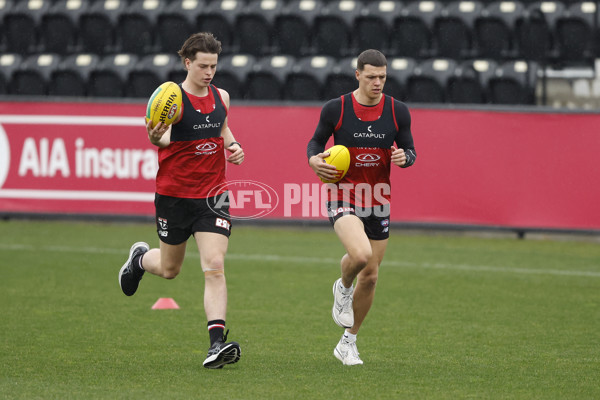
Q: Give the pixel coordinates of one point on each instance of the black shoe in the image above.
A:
(221, 353)
(129, 276)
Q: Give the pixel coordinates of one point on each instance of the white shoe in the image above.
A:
(347, 352)
(342, 311)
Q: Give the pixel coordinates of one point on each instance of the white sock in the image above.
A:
(346, 290)
(350, 337)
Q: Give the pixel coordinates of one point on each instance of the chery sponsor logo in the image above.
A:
(246, 199)
(367, 160)
(206, 149)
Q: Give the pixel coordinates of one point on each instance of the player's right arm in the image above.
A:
(160, 135)
(330, 115)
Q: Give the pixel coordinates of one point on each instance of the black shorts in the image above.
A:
(177, 218)
(375, 219)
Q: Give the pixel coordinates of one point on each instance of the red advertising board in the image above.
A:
(490, 168)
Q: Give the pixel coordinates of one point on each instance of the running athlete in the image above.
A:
(191, 195)
(376, 130)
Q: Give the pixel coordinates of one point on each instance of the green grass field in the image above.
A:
(455, 317)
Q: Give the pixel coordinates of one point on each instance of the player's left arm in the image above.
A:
(237, 153)
(404, 155)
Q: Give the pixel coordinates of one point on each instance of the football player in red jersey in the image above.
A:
(191, 194)
(376, 130)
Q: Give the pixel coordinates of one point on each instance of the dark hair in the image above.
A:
(371, 57)
(204, 42)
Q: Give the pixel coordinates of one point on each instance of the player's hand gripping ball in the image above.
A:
(165, 104)
(339, 157)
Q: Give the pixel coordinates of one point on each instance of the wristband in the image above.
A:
(232, 143)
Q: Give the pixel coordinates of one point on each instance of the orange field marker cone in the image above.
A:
(165, 303)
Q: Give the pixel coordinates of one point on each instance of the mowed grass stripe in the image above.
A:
(320, 260)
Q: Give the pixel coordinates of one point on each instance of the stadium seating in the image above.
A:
(575, 32)
(8, 64)
(21, 24)
(59, 27)
(535, 31)
(333, 28)
(513, 82)
(294, 25)
(341, 79)
(255, 25)
(109, 78)
(398, 71)
(373, 26)
(429, 80)
(71, 76)
(468, 82)
(495, 30)
(268, 77)
(219, 17)
(149, 72)
(232, 73)
(177, 23)
(412, 31)
(454, 29)
(97, 26)
(308, 77)
(135, 29)
(32, 76)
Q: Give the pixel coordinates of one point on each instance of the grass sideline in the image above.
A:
(454, 318)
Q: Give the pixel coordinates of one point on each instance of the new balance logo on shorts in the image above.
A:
(162, 222)
(223, 223)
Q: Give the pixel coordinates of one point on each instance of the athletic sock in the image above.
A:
(137, 263)
(345, 290)
(350, 337)
(215, 330)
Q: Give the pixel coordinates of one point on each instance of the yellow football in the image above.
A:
(165, 104)
(339, 157)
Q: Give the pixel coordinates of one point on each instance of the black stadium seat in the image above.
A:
(21, 26)
(5, 7)
(218, 17)
(513, 82)
(32, 76)
(294, 27)
(412, 34)
(8, 64)
(149, 73)
(575, 32)
(268, 77)
(232, 72)
(109, 78)
(468, 83)
(372, 27)
(535, 31)
(59, 28)
(454, 29)
(341, 79)
(135, 31)
(255, 26)
(495, 30)
(72, 75)
(177, 23)
(399, 69)
(428, 82)
(97, 26)
(307, 78)
(333, 28)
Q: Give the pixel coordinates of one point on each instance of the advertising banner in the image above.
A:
(474, 167)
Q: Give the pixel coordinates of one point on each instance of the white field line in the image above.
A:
(315, 260)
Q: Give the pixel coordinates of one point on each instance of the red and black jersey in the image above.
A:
(193, 164)
(369, 133)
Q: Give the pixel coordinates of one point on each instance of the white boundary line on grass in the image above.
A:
(317, 260)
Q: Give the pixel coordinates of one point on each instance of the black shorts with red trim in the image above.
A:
(179, 218)
(376, 220)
